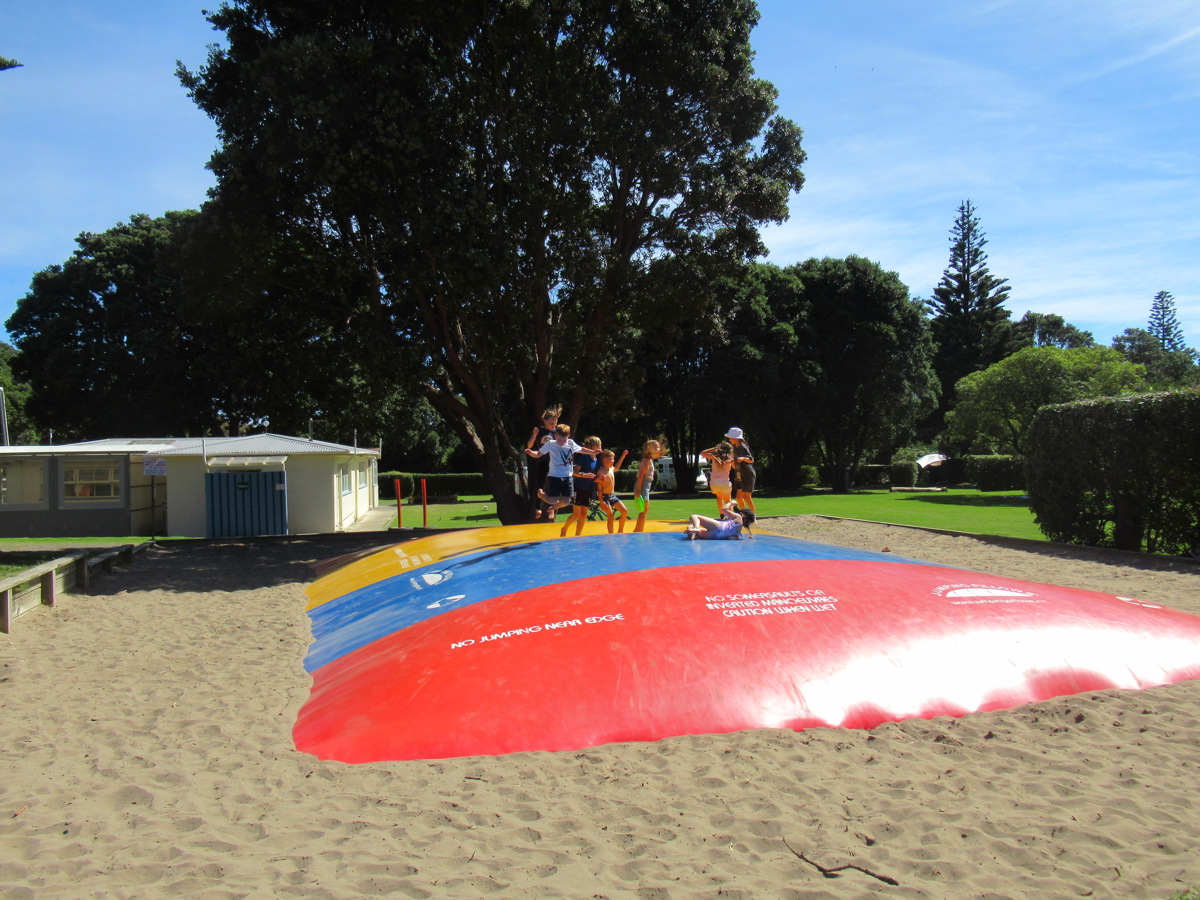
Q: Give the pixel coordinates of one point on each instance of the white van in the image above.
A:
(665, 480)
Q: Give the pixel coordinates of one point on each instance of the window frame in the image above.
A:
(44, 503)
(92, 464)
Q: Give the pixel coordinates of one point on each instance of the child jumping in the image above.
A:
(606, 488)
(538, 469)
(721, 457)
(558, 490)
(645, 479)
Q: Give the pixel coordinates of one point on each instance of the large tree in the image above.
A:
(971, 327)
(870, 350)
(741, 365)
(1050, 330)
(505, 186)
(16, 396)
(144, 331)
(1165, 368)
(1164, 324)
(101, 341)
(766, 377)
(996, 406)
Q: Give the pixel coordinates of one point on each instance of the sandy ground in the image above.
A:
(146, 751)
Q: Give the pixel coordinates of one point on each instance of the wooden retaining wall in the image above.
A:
(42, 584)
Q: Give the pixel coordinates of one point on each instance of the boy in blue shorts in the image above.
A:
(558, 490)
(606, 487)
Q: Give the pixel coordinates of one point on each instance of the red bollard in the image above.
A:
(424, 505)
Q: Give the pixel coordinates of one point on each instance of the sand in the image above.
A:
(146, 752)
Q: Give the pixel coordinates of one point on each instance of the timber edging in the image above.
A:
(41, 585)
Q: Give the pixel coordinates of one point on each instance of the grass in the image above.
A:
(80, 541)
(1000, 513)
(115, 541)
(7, 569)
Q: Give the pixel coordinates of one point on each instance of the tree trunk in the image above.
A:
(1127, 527)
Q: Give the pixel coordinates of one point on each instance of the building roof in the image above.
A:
(246, 445)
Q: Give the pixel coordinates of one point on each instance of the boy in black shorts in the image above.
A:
(585, 482)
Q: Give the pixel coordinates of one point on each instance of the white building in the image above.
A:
(186, 487)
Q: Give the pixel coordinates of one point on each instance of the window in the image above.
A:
(363, 481)
(22, 482)
(98, 479)
(344, 477)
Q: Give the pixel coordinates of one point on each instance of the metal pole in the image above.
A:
(399, 503)
(3, 419)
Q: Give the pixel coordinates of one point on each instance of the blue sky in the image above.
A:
(1072, 126)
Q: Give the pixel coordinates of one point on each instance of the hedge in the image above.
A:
(437, 485)
(996, 473)
(904, 473)
(872, 474)
(1119, 472)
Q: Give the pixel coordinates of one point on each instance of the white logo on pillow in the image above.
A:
(987, 592)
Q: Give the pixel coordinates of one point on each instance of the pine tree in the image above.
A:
(970, 324)
(1164, 325)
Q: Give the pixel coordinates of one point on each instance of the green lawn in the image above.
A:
(10, 543)
(7, 569)
(1001, 513)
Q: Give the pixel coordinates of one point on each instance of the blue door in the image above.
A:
(244, 504)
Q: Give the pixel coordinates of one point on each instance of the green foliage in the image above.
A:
(859, 322)
(6, 63)
(912, 451)
(1164, 324)
(970, 325)
(1120, 472)
(102, 343)
(1165, 368)
(625, 480)
(506, 187)
(996, 406)
(142, 333)
(1050, 330)
(873, 475)
(387, 485)
(904, 473)
(809, 475)
(16, 397)
(442, 484)
(996, 472)
(746, 363)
